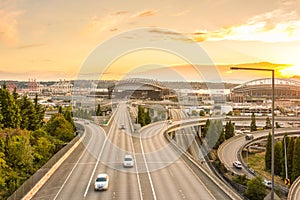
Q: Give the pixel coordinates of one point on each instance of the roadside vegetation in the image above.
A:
(27, 142)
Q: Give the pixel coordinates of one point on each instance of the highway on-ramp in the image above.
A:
(228, 151)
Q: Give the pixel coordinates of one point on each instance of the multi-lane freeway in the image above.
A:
(158, 173)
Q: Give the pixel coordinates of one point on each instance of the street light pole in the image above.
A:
(273, 104)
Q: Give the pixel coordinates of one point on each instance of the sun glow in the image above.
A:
(291, 71)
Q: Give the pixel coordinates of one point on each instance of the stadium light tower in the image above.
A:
(273, 100)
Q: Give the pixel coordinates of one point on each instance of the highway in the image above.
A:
(162, 173)
(234, 144)
(99, 152)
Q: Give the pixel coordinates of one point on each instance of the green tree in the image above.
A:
(229, 130)
(39, 112)
(268, 123)
(98, 110)
(60, 128)
(253, 126)
(278, 158)
(29, 119)
(15, 94)
(205, 128)
(296, 160)
(202, 113)
(141, 116)
(147, 117)
(10, 111)
(19, 151)
(255, 189)
(215, 134)
(268, 152)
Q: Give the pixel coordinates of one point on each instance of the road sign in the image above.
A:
(287, 181)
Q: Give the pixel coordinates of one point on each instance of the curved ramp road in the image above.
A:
(158, 172)
(228, 151)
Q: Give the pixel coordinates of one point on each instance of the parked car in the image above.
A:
(128, 161)
(237, 164)
(101, 182)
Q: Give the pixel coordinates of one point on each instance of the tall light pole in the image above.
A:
(273, 103)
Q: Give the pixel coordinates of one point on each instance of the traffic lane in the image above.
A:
(123, 181)
(177, 182)
(229, 154)
(56, 182)
(170, 173)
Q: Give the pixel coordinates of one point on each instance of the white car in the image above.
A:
(128, 161)
(237, 164)
(101, 182)
(267, 183)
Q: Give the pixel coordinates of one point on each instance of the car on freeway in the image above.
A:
(128, 161)
(249, 136)
(122, 127)
(267, 183)
(101, 182)
(237, 164)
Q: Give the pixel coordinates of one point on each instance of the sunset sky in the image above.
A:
(51, 40)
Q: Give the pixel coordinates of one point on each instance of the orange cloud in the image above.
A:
(275, 26)
(8, 27)
(145, 13)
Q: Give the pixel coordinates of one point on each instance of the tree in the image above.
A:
(255, 189)
(141, 116)
(59, 127)
(10, 111)
(229, 130)
(202, 113)
(290, 153)
(29, 119)
(205, 128)
(19, 152)
(278, 158)
(268, 123)
(215, 134)
(147, 117)
(98, 110)
(268, 152)
(39, 112)
(253, 126)
(296, 160)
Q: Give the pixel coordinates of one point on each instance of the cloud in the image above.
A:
(30, 46)
(9, 27)
(120, 12)
(275, 26)
(145, 13)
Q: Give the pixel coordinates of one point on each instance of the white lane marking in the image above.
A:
(97, 163)
(73, 169)
(136, 168)
(147, 168)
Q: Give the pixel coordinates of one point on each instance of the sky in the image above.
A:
(163, 40)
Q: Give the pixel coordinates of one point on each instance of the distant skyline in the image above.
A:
(51, 40)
